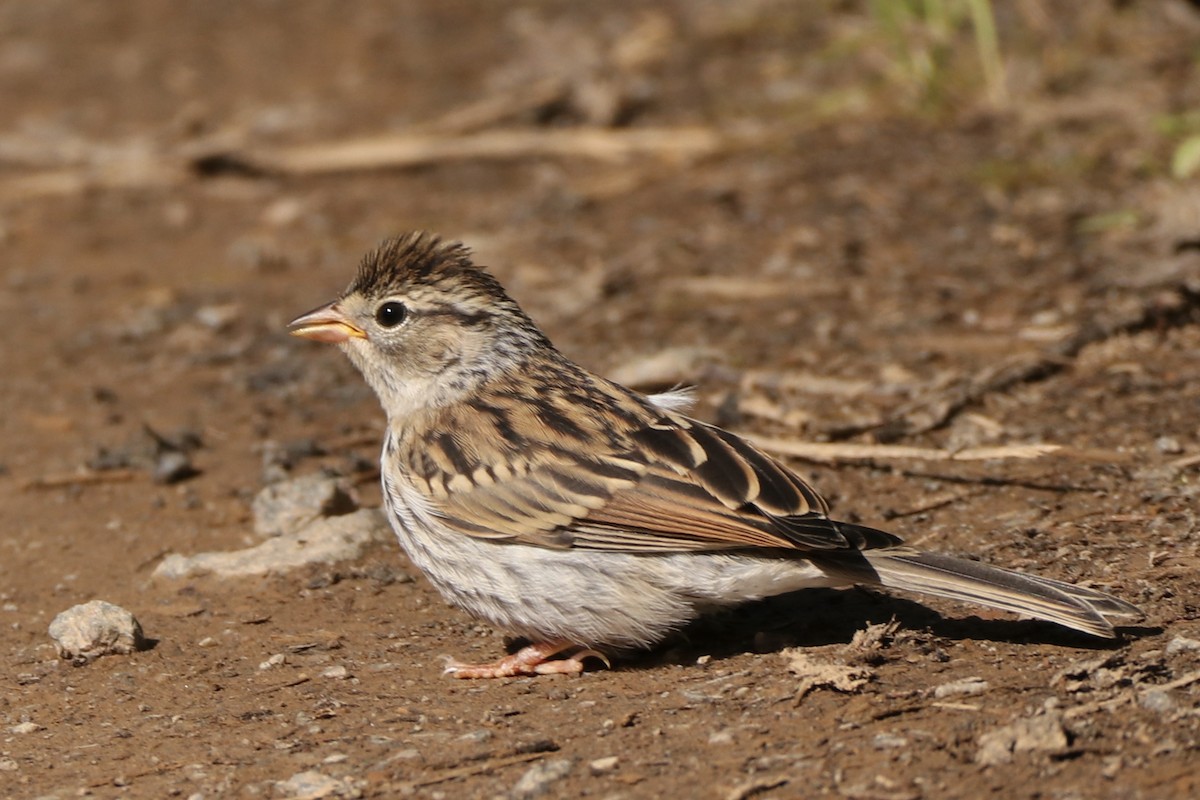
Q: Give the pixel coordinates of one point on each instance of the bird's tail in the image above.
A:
(913, 570)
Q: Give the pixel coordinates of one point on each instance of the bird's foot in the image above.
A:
(536, 659)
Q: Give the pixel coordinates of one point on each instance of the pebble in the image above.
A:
(1181, 644)
(172, 466)
(312, 785)
(1032, 733)
(338, 672)
(25, 727)
(274, 661)
(722, 737)
(1168, 445)
(965, 686)
(283, 212)
(603, 765)
(537, 779)
(95, 629)
(218, 317)
(289, 505)
(1156, 700)
(888, 741)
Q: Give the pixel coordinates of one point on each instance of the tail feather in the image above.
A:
(908, 569)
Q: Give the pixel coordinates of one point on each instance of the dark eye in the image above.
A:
(391, 314)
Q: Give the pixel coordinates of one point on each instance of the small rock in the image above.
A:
(1156, 700)
(888, 741)
(965, 686)
(325, 541)
(8, 765)
(722, 737)
(173, 466)
(26, 727)
(1168, 445)
(537, 779)
(289, 505)
(218, 317)
(603, 765)
(94, 629)
(338, 672)
(283, 212)
(312, 785)
(279, 458)
(1033, 733)
(1181, 644)
(274, 661)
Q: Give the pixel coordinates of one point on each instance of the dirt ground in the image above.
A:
(838, 234)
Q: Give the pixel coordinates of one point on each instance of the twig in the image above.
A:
(834, 452)
(297, 681)
(935, 503)
(412, 150)
(80, 478)
(161, 769)
(1180, 682)
(999, 480)
(1185, 462)
(501, 107)
(162, 170)
(955, 706)
(1097, 705)
(754, 787)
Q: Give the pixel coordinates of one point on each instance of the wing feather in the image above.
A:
(651, 481)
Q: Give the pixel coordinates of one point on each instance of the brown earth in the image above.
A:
(864, 243)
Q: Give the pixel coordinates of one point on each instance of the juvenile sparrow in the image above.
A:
(587, 518)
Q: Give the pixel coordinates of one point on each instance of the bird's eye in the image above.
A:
(391, 314)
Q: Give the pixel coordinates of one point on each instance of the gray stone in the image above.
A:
(537, 779)
(326, 541)
(965, 686)
(290, 505)
(1032, 733)
(88, 631)
(312, 785)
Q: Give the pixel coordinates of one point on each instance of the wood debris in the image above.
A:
(834, 452)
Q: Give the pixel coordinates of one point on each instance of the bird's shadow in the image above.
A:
(817, 617)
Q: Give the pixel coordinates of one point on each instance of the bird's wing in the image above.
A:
(672, 485)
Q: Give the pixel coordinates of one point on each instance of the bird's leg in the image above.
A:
(532, 660)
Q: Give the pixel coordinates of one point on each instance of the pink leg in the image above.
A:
(531, 660)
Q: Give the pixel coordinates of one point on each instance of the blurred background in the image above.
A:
(945, 224)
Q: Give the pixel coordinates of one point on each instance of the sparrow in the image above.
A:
(580, 515)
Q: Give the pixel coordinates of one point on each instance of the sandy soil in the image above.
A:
(858, 257)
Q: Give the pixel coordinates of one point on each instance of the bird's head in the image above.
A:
(423, 324)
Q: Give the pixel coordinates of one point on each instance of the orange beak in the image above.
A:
(325, 324)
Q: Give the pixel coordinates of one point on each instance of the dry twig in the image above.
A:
(80, 479)
(837, 452)
(418, 149)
